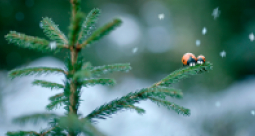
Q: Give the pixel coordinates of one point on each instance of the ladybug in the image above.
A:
(201, 59)
(189, 59)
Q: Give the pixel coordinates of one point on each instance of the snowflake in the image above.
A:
(217, 104)
(204, 31)
(53, 45)
(251, 37)
(198, 42)
(216, 13)
(161, 16)
(134, 50)
(223, 54)
(253, 112)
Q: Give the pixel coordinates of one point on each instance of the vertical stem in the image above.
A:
(73, 89)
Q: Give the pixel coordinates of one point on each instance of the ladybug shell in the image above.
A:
(188, 58)
(201, 58)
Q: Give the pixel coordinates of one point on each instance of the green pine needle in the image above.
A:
(47, 84)
(89, 24)
(75, 29)
(34, 118)
(30, 42)
(56, 97)
(183, 73)
(56, 103)
(136, 108)
(102, 31)
(170, 105)
(84, 73)
(53, 32)
(23, 133)
(33, 71)
(99, 70)
(101, 81)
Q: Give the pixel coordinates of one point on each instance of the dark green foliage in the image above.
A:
(102, 81)
(34, 118)
(102, 31)
(56, 103)
(26, 41)
(56, 97)
(89, 24)
(84, 73)
(130, 99)
(75, 29)
(23, 133)
(52, 31)
(48, 84)
(99, 70)
(34, 71)
(183, 73)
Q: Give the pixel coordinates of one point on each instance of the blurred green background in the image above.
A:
(154, 47)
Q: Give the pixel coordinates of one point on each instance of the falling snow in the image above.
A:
(217, 104)
(198, 42)
(204, 30)
(53, 45)
(216, 13)
(161, 16)
(134, 50)
(41, 24)
(253, 112)
(251, 37)
(223, 54)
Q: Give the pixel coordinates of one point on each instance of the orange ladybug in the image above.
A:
(189, 59)
(201, 59)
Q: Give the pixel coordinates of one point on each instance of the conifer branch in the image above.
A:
(136, 108)
(53, 32)
(183, 73)
(23, 133)
(56, 103)
(26, 41)
(47, 84)
(170, 105)
(75, 6)
(56, 97)
(102, 81)
(34, 71)
(89, 24)
(100, 32)
(130, 99)
(99, 70)
(34, 118)
(75, 29)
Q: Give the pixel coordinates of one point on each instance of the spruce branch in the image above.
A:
(99, 70)
(56, 103)
(100, 32)
(75, 6)
(31, 42)
(53, 32)
(23, 133)
(183, 73)
(136, 108)
(102, 81)
(89, 24)
(130, 99)
(75, 29)
(47, 84)
(34, 71)
(34, 118)
(81, 74)
(56, 97)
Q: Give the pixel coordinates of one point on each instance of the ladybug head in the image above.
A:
(201, 59)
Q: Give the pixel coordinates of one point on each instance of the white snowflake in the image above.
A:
(134, 50)
(217, 104)
(216, 13)
(252, 112)
(41, 24)
(161, 16)
(251, 37)
(223, 54)
(198, 42)
(204, 30)
(53, 45)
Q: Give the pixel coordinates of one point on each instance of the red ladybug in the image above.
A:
(189, 59)
(201, 59)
